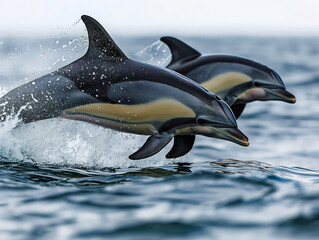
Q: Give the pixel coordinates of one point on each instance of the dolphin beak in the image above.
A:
(234, 135)
(231, 134)
(280, 95)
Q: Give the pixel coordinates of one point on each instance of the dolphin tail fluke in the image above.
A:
(179, 49)
(100, 42)
(182, 145)
(153, 145)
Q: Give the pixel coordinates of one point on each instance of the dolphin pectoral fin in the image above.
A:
(153, 145)
(100, 42)
(179, 49)
(237, 109)
(182, 145)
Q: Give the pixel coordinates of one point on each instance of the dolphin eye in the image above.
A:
(256, 84)
(201, 121)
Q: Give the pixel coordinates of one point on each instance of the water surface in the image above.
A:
(62, 179)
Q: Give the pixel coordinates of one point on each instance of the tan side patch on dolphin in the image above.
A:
(136, 128)
(161, 110)
(225, 81)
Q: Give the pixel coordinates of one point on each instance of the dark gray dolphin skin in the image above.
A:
(236, 80)
(106, 88)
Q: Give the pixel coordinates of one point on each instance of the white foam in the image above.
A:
(70, 143)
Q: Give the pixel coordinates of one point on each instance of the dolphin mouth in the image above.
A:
(206, 121)
(280, 95)
(234, 135)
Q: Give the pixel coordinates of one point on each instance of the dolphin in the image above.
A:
(106, 88)
(236, 80)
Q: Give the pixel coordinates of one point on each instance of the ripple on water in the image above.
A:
(61, 179)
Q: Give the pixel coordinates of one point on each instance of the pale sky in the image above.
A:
(148, 17)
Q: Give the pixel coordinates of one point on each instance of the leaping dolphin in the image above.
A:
(106, 88)
(236, 80)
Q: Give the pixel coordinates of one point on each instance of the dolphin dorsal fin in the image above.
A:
(179, 49)
(100, 42)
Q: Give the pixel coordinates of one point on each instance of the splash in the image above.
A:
(68, 143)
(157, 53)
(39, 57)
(63, 142)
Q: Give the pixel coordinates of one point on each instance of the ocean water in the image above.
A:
(62, 179)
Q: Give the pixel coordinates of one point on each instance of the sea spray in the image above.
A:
(64, 142)
(157, 53)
